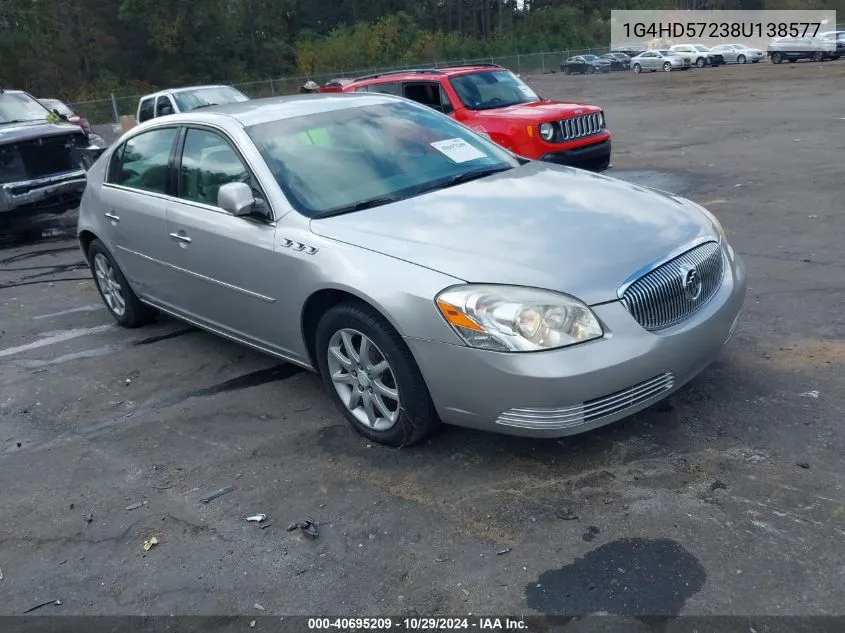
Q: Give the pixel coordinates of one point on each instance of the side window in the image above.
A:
(163, 106)
(145, 112)
(445, 103)
(389, 89)
(362, 89)
(142, 163)
(427, 93)
(208, 162)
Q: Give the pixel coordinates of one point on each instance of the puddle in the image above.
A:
(629, 577)
(673, 182)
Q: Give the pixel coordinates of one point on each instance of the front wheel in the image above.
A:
(700, 62)
(740, 59)
(667, 67)
(122, 303)
(591, 70)
(818, 56)
(372, 376)
(566, 70)
(638, 69)
(777, 58)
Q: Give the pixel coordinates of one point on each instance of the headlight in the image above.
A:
(516, 319)
(547, 131)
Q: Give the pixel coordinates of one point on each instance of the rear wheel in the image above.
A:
(700, 62)
(122, 303)
(566, 70)
(777, 58)
(637, 68)
(372, 376)
(667, 67)
(591, 70)
(818, 56)
(740, 59)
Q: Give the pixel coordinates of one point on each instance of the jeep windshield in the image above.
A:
(353, 158)
(17, 107)
(193, 98)
(490, 89)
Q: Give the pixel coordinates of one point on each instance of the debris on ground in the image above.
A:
(441, 560)
(217, 493)
(148, 543)
(265, 526)
(135, 506)
(257, 518)
(804, 465)
(718, 485)
(810, 394)
(1, 574)
(502, 552)
(252, 624)
(89, 517)
(258, 606)
(292, 527)
(566, 515)
(309, 527)
(43, 604)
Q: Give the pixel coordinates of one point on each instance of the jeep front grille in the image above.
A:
(580, 126)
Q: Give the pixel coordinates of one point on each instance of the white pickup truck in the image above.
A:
(175, 100)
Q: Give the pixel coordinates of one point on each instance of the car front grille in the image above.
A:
(580, 126)
(677, 289)
(583, 413)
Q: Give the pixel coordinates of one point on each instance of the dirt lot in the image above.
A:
(726, 499)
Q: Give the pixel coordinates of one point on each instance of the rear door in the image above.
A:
(229, 274)
(135, 195)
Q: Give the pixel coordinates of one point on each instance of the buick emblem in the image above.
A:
(692, 284)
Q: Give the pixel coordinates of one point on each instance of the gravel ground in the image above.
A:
(725, 499)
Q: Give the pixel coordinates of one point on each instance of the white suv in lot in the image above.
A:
(176, 100)
(794, 48)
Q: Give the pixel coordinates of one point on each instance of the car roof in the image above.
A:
(183, 89)
(258, 111)
(430, 73)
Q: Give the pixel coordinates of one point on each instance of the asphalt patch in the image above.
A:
(629, 577)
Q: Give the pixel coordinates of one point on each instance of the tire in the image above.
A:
(818, 56)
(402, 421)
(667, 66)
(777, 58)
(122, 303)
(638, 69)
(700, 62)
(566, 71)
(591, 70)
(793, 60)
(740, 59)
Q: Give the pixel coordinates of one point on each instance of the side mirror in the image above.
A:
(236, 198)
(59, 114)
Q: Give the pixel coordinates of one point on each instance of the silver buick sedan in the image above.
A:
(424, 272)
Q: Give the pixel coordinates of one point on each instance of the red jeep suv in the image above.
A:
(492, 100)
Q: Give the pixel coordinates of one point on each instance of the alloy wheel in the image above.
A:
(108, 285)
(363, 379)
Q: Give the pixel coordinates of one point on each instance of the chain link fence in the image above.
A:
(106, 113)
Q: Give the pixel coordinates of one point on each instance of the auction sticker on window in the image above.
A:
(458, 150)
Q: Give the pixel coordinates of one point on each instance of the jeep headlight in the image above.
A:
(547, 131)
(515, 318)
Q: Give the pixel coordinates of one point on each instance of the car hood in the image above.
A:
(12, 133)
(540, 225)
(539, 111)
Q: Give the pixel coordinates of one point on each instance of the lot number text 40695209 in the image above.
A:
(416, 624)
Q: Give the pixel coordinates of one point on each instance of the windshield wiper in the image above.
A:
(475, 174)
(359, 206)
(205, 105)
(20, 121)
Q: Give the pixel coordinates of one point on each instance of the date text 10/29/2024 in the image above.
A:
(417, 624)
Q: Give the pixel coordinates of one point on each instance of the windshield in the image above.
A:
(492, 89)
(351, 158)
(55, 104)
(198, 97)
(700, 48)
(16, 107)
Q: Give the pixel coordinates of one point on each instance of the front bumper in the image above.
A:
(572, 390)
(593, 157)
(64, 187)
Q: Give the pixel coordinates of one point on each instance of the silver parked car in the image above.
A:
(739, 53)
(426, 273)
(660, 60)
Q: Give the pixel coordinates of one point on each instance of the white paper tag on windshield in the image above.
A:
(458, 150)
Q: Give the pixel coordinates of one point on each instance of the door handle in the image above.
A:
(181, 238)
(112, 217)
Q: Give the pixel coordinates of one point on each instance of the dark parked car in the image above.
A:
(41, 155)
(62, 109)
(618, 61)
(585, 65)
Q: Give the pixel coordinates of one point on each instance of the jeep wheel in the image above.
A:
(667, 66)
(777, 58)
(700, 62)
(637, 68)
(740, 59)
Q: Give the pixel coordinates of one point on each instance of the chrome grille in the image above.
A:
(580, 126)
(591, 410)
(663, 297)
